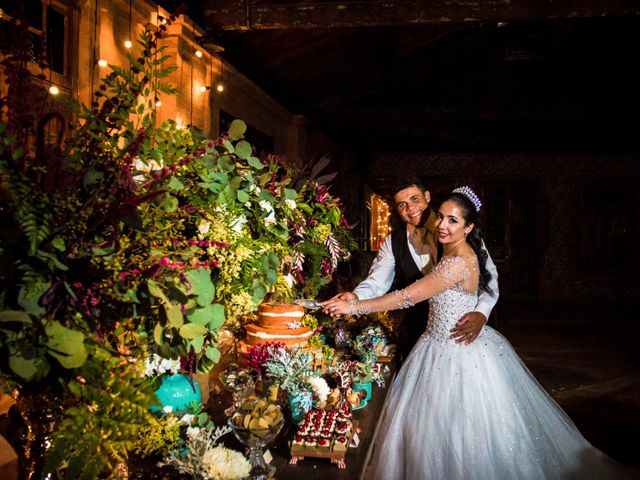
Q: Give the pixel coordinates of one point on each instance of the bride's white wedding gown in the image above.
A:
(466, 412)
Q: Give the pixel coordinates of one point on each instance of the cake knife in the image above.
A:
(307, 303)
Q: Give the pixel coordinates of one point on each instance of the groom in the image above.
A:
(407, 255)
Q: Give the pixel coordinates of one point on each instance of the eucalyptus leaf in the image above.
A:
(192, 330)
(201, 285)
(201, 316)
(158, 334)
(175, 184)
(216, 319)
(174, 315)
(213, 354)
(226, 163)
(259, 293)
(237, 129)
(197, 344)
(23, 367)
(229, 146)
(243, 196)
(243, 149)
(169, 204)
(15, 316)
(66, 345)
(28, 299)
(290, 194)
(267, 195)
(155, 290)
(255, 162)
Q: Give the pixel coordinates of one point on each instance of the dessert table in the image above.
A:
(321, 468)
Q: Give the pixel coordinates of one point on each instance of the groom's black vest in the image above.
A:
(414, 322)
(407, 271)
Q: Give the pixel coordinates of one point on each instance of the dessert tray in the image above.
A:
(324, 434)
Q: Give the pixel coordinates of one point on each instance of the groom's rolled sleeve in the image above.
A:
(381, 274)
(486, 300)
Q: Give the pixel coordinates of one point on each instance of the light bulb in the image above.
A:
(53, 90)
(128, 44)
(158, 103)
(220, 88)
(199, 53)
(204, 88)
(102, 63)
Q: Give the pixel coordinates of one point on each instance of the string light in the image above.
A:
(53, 90)
(199, 53)
(205, 88)
(380, 227)
(128, 44)
(220, 87)
(102, 63)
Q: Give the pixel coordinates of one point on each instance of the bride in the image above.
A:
(464, 412)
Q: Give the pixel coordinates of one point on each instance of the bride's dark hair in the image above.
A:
(474, 238)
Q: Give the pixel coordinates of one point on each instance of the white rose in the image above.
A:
(204, 227)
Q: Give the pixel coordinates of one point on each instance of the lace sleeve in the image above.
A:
(449, 272)
(452, 270)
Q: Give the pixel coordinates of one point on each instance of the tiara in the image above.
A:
(471, 195)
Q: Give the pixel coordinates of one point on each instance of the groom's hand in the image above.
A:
(468, 327)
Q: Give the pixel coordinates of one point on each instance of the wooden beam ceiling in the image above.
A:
(273, 15)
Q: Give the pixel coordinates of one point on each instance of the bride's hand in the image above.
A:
(336, 308)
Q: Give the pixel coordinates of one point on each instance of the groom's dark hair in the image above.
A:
(407, 182)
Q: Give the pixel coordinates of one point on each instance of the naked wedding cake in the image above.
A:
(277, 322)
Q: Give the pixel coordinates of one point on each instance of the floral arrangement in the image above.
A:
(362, 372)
(290, 368)
(125, 238)
(260, 354)
(201, 457)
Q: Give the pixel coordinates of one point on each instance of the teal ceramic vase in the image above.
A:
(363, 387)
(179, 393)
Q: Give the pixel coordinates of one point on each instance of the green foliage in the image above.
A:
(109, 412)
(121, 238)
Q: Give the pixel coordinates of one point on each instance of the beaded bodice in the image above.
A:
(446, 308)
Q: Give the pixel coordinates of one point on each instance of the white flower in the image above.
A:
(187, 418)
(221, 463)
(167, 409)
(289, 280)
(270, 219)
(156, 365)
(149, 166)
(253, 188)
(193, 432)
(319, 387)
(238, 223)
(291, 203)
(265, 204)
(204, 227)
